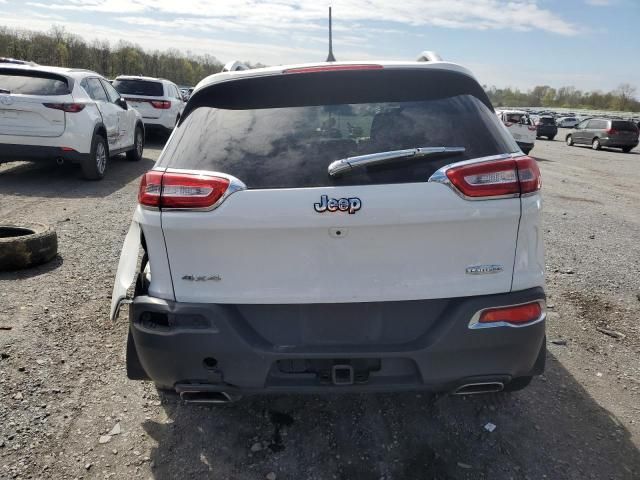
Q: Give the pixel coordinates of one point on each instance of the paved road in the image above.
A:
(63, 383)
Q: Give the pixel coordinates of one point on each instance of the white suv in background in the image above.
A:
(158, 100)
(331, 227)
(520, 126)
(51, 113)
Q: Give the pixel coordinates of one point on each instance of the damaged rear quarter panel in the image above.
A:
(148, 223)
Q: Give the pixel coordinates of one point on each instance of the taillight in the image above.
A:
(150, 188)
(532, 128)
(517, 314)
(161, 104)
(611, 131)
(528, 175)
(180, 190)
(497, 178)
(66, 107)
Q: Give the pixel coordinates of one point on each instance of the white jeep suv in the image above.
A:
(337, 227)
(158, 100)
(72, 115)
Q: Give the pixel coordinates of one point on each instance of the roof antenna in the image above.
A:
(330, 57)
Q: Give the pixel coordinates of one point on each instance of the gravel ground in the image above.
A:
(67, 409)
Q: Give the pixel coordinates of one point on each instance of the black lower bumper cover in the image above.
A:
(18, 153)
(382, 346)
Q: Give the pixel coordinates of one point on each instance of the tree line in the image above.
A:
(61, 48)
(621, 99)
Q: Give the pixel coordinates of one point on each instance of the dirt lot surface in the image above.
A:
(67, 409)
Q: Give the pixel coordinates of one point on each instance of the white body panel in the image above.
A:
(26, 115)
(528, 269)
(407, 242)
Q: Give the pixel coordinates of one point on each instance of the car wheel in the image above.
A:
(96, 165)
(551, 137)
(26, 246)
(517, 384)
(569, 140)
(596, 144)
(135, 154)
(626, 149)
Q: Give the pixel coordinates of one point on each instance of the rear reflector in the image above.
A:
(498, 178)
(180, 190)
(333, 68)
(66, 107)
(518, 314)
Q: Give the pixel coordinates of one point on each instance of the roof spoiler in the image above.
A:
(429, 56)
(234, 66)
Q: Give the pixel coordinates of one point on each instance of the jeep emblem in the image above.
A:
(351, 205)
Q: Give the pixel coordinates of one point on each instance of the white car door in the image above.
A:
(126, 117)
(108, 110)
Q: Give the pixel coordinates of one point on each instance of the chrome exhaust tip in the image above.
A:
(207, 397)
(482, 387)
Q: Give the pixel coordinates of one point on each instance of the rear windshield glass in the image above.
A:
(547, 121)
(624, 126)
(33, 85)
(139, 87)
(292, 146)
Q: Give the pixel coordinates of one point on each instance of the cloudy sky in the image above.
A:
(592, 44)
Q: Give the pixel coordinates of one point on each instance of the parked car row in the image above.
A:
(597, 132)
(78, 116)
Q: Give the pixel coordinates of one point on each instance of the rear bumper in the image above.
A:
(547, 131)
(162, 123)
(16, 153)
(390, 346)
(618, 143)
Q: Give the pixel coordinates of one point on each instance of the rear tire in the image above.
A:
(551, 137)
(569, 140)
(95, 166)
(626, 149)
(135, 154)
(596, 144)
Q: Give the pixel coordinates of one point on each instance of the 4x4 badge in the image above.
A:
(351, 205)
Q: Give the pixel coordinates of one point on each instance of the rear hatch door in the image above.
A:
(299, 235)
(26, 98)
(146, 96)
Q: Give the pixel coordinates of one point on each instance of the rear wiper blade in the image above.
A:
(345, 165)
(2, 90)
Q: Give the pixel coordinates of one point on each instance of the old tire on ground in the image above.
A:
(26, 246)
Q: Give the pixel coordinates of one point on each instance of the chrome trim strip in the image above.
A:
(474, 323)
